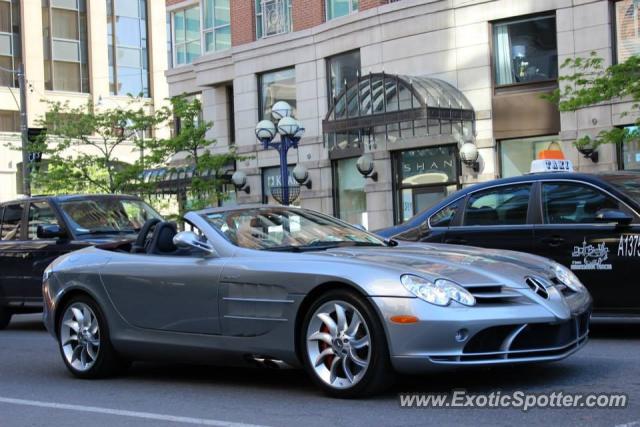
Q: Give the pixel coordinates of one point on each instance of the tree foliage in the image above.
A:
(83, 148)
(199, 153)
(591, 83)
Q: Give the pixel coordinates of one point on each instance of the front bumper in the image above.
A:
(480, 335)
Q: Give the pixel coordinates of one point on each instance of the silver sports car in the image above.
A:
(282, 286)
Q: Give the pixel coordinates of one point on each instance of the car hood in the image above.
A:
(462, 264)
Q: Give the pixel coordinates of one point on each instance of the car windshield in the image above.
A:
(106, 215)
(628, 183)
(281, 228)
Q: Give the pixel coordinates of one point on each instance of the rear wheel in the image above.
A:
(344, 346)
(5, 317)
(84, 340)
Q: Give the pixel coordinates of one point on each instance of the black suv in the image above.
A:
(34, 231)
(590, 223)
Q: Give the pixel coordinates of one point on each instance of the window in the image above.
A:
(573, 203)
(9, 121)
(231, 115)
(627, 29)
(423, 178)
(342, 70)
(276, 86)
(217, 25)
(338, 8)
(525, 50)
(350, 199)
(272, 17)
(64, 27)
(11, 220)
(516, 155)
(128, 47)
(630, 149)
(498, 206)
(9, 41)
(186, 35)
(40, 213)
(444, 216)
(271, 178)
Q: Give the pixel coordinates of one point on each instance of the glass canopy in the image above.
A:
(391, 107)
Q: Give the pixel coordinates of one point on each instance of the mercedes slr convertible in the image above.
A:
(289, 287)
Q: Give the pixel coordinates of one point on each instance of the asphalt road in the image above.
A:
(36, 390)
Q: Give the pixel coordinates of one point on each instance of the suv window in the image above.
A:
(507, 205)
(40, 213)
(11, 222)
(444, 216)
(574, 203)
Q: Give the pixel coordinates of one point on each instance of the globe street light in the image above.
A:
(290, 131)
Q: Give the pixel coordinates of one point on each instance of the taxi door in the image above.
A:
(496, 217)
(604, 256)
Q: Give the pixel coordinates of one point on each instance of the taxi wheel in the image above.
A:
(5, 317)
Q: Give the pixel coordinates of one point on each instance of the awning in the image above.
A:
(175, 180)
(396, 106)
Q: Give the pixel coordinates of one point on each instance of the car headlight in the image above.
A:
(441, 292)
(567, 277)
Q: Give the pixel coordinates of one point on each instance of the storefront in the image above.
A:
(271, 178)
(416, 124)
(423, 177)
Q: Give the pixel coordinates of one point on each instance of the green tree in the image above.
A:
(199, 154)
(82, 146)
(590, 83)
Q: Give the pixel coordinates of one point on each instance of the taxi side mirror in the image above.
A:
(50, 231)
(614, 216)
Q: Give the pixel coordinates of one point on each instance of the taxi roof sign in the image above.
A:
(551, 165)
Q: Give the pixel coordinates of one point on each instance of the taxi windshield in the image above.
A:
(287, 229)
(627, 183)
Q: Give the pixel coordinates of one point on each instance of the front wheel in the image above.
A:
(84, 340)
(344, 346)
(5, 317)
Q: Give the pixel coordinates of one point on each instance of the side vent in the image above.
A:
(537, 286)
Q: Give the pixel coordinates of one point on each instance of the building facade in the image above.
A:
(77, 51)
(404, 82)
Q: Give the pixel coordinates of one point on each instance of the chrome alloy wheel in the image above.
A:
(80, 336)
(338, 344)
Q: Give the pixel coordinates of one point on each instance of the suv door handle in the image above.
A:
(455, 241)
(553, 241)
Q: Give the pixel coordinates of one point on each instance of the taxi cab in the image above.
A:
(587, 222)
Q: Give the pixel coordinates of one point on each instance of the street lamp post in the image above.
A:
(290, 131)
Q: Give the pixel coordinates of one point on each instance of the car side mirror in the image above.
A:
(50, 231)
(614, 215)
(189, 239)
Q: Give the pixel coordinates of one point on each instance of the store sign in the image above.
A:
(435, 165)
(271, 178)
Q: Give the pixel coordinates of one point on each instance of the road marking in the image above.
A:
(124, 413)
(630, 424)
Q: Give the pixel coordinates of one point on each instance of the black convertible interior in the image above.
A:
(155, 237)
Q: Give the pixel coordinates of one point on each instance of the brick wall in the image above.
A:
(307, 13)
(370, 4)
(242, 22)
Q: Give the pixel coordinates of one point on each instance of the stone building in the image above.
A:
(77, 51)
(407, 82)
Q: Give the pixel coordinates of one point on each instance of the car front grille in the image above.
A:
(523, 341)
(486, 294)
